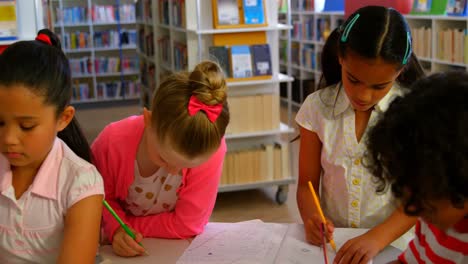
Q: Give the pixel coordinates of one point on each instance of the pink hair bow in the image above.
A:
(211, 111)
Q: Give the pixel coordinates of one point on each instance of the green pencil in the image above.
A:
(122, 224)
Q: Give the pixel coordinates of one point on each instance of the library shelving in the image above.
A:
(185, 33)
(100, 39)
(440, 42)
(310, 30)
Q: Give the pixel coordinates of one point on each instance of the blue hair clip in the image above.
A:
(348, 28)
(408, 49)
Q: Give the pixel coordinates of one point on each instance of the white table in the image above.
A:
(168, 251)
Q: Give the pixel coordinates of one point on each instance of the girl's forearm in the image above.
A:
(397, 224)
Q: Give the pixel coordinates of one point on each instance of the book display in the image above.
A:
(100, 40)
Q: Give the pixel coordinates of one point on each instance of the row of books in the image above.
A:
(264, 163)
(102, 39)
(146, 43)
(180, 56)
(301, 5)
(105, 90)
(422, 41)
(97, 13)
(451, 7)
(451, 45)
(178, 10)
(117, 90)
(253, 113)
(84, 65)
(112, 13)
(163, 7)
(164, 45)
(228, 12)
(308, 57)
(243, 61)
(148, 74)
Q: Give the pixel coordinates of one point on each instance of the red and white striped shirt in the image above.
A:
(432, 245)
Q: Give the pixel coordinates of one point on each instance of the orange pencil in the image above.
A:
(317, 203)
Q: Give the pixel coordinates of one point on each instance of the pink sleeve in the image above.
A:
(194, 206)
(102, 161)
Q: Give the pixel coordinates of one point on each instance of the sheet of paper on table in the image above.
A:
(265, 243)
(294, 249)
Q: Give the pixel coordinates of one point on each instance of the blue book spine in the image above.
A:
(253, 12)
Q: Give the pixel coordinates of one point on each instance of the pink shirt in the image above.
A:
(31, 228)
(114, 154)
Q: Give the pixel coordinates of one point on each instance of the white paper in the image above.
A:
(240, 243)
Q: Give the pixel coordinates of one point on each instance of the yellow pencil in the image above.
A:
(317, 203)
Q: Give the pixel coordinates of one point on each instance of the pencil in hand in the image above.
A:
(317, 204)
(122, 224)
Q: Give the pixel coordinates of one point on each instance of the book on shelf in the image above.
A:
(180, 56)
(241, 61)
(422, 41)
(257, 164)
(456, 7)
(178, 10)
(422, 6)
(227, 12)
(465, 53)
(261, 59)
(253, 113)
(8, 26)
(450, 45)
(72, 15)
(220, 54)
(163, 7)
(80, 91)
(254, 12)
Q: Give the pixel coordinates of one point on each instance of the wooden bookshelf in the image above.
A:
(188, 34)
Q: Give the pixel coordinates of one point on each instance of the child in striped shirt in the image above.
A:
(420, 149)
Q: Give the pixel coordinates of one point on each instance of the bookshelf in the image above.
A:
(306, 46)
(183, 39)
(428, 39)
(100, 39)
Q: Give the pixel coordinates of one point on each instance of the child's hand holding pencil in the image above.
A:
(126, 241)
(314, 236)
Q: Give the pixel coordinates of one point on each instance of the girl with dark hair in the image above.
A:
(50, 195)
(418, 149)
(366, 63)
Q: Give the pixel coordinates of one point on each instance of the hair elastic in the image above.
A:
(44, 39)
(408, 49)
(348, 28)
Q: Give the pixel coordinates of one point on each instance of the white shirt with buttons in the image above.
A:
(348, 192)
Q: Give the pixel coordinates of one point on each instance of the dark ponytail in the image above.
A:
(73, 136)
(411, 73)
(372, 32)
(331, 68)
(42, 66)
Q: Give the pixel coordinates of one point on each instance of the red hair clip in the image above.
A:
(211, 111)
(44, 38)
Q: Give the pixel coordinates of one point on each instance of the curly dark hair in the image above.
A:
(420, 146)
